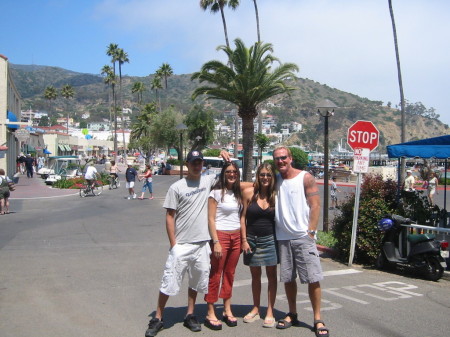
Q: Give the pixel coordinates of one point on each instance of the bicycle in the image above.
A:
(88, 189)
(114, 182)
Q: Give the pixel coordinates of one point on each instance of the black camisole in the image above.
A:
(260, 222)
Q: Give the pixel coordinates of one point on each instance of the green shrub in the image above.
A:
(211, 153)
(377, 199)
(173, 161)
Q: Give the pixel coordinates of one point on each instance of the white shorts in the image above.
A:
(129, 184)
(193, 258)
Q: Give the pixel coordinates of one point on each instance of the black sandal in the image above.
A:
(209, 324)
(318, 330)
(228, 321)
(284, 324)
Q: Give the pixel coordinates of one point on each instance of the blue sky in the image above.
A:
(346, 44)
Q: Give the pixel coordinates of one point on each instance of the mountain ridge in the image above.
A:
(92, 95)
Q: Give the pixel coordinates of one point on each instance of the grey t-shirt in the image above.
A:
(189, 198)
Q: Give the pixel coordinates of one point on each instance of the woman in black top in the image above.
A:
(258, 240)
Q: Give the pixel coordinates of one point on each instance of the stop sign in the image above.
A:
(363, 135)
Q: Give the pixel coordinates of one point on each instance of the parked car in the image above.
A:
(60, 167)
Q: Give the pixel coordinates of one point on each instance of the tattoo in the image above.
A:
(311, 194)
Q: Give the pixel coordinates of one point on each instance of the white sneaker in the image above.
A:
(134, 196)
(129, 198)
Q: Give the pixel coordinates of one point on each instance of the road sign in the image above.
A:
(363, 135)
(22, 134)
(361, 160)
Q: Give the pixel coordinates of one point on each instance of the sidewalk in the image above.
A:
(35, 188)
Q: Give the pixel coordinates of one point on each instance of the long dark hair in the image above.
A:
(222, 182)
(271, 193)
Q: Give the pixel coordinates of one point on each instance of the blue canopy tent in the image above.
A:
(436, 147)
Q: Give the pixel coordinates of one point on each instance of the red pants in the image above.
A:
(225, 267)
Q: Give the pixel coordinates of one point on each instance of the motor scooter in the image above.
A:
(421, 252)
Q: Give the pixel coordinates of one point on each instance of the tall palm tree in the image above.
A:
(138, 88)
(218, 6)
(155, 85)
(165, 71)
(257, 20)
(246, 82)
(110, 79)
(141, 127)
(50, 94)
(400, 84)
(121, 57)
(67, 92)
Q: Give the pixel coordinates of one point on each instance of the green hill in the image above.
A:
(92, 95)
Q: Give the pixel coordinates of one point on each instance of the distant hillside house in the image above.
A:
(127, 111)
(98, 126)
(86, 115)
(63, 120)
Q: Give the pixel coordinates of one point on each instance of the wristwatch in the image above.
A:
(215, 241)
(311, 232)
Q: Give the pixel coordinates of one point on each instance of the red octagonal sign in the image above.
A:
(363, 135)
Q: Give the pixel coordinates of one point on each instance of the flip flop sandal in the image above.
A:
(269, 322)
(250, 318)
(318, 330)
(209, 324)
(228, 321)
(284, 324)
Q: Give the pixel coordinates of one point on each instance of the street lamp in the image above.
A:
(325, 109)
(181, 127)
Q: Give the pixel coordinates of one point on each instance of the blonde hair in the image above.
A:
(282, 147)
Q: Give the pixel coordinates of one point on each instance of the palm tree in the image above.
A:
(156, 84)
(67, 92)
(138, 88)
(141, 127)
(121, 57)
(218, 6)
(400, 84)
(165, 71)
(50, 94)
(257, 20)
(246, 82)
(110, 79)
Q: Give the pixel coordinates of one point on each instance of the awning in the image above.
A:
(47, 151)
(61, 147)
(12, 118)
(30, 148)
(68, 148)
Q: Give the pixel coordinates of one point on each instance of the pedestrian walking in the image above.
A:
(224, 206)
(29, 165)
(333, 193)
(297, 212)
(130, 177)
(187, 228)
(4, 192)
(148, 182)
(258, 242)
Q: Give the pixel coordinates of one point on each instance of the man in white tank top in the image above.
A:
(297, 211)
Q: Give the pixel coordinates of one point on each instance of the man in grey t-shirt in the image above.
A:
(187, 229)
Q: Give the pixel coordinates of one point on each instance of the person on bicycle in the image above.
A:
(91, 174)
(113, 170)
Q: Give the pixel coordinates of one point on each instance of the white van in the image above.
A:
(214, 165)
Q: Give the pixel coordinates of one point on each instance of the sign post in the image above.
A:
(363, 137)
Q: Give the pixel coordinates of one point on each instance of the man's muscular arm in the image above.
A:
(313, 199)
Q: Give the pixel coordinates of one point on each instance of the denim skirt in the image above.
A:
(264, 251)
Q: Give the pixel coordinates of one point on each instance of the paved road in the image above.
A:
(92, 266)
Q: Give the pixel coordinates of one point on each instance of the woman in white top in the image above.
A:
(4, 192)
(432, 188)
(224, 206)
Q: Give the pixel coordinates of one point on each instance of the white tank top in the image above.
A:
(291, 208)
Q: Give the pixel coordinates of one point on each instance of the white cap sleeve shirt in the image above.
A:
(227, 213)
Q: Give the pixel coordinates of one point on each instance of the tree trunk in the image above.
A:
(400, 84)
(247, 143)
(257, 20)
(224, 27)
